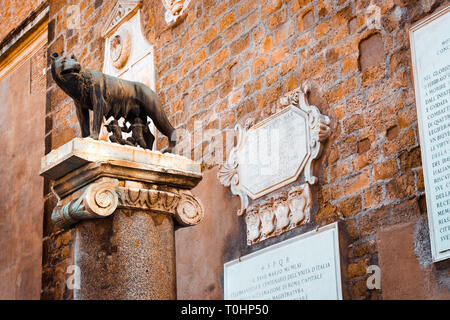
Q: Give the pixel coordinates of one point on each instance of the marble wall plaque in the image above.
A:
(269, 158)
(430, 50)
(273, 153)
(306, 267)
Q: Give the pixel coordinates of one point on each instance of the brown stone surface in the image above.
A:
(201, 251)
(406, 268)
(13, 12)
(22, 114)
(129, 256)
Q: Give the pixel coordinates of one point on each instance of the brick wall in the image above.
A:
(232, 60)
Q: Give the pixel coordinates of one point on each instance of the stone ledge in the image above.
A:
(79, 152)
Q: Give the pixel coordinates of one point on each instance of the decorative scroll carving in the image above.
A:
(279, 215)
(305, 122)
(229, 175)
(100, 200)
(189, 210)
(175, 10)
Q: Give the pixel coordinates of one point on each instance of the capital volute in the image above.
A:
(102, 199)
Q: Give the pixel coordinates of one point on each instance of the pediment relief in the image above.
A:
(122, 11)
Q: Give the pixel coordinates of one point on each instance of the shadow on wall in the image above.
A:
(407, 271)
(201, 251)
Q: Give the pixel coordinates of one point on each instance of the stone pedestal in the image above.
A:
(123, 203)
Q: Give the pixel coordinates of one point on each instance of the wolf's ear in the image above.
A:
(73, 57)
(54, 56)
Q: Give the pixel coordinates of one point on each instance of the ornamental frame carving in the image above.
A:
(318, 131)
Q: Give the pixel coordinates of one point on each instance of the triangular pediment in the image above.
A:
(122, 11)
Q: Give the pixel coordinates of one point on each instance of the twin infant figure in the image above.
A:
(141, 135)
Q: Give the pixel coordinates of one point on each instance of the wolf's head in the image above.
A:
(63, 67)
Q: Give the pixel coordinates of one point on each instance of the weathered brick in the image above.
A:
(279, 54)
(226, 21)
(357, 183)
(364, 249)
(371, 221)
(385, 170)
(351, 206)
(401, 187)
(371, 51)
(326, 211)
(240, 45)
(404, 140)
(405, 211)
(260, 65)
(337, 171)
(358, 269)
(359, 290)
(321, 30)
(373, 197)
(221, 57)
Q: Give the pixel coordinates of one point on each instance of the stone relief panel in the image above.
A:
(175, 10)
(279, 215)
(128, 54)
(271, 155)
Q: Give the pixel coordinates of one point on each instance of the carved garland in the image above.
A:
(101, 200)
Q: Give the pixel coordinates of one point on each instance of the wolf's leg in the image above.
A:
(155, 111)
(163, 125)
(98, 105)
(83, 120)
(149, 139)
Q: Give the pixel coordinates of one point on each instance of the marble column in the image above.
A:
(123, 204)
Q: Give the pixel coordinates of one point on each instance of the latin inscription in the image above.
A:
(303, 268)
(432, 78)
